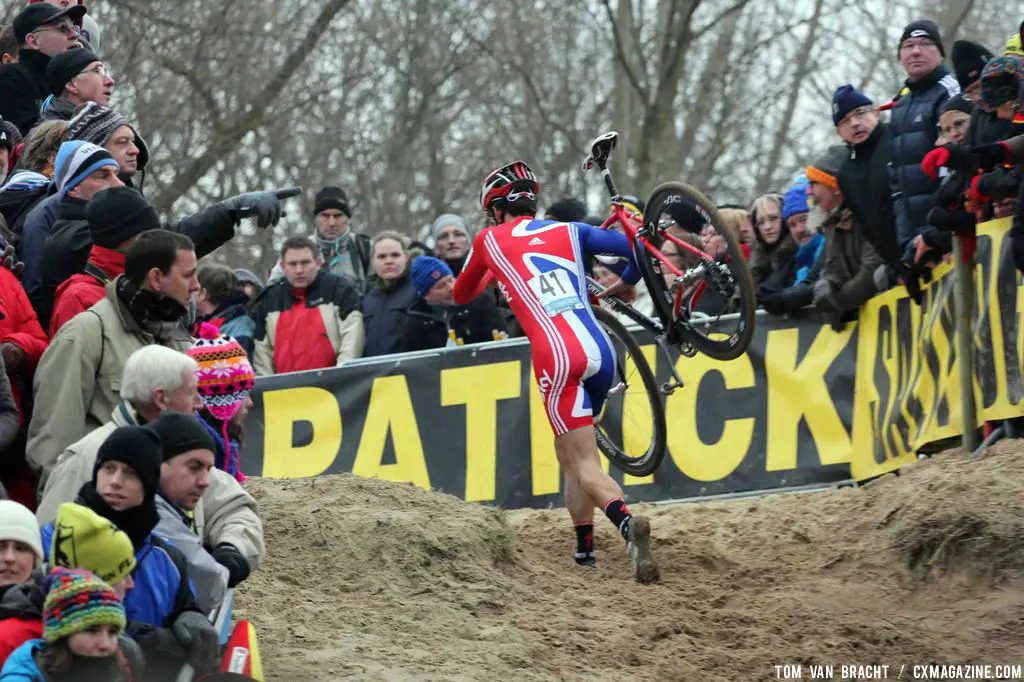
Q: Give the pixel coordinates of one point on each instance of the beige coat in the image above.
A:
(78, 380)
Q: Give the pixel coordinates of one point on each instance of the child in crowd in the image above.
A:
(82, 618)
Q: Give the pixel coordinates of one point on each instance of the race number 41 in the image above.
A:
(555, 292)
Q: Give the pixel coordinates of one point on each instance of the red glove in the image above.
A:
(973, 194)
(934, 160)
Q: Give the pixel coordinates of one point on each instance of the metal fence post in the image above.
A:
(963, 255)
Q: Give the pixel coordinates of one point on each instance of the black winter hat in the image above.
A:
(825, 169)
(968, 61)
(922, 28)
(40, 14)
(181, 433)
(331, 197)
(958, 103)
(10, 136)
(65, 66)
(138, 447)
(116, 215)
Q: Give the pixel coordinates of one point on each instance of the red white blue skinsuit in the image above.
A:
(539, 266)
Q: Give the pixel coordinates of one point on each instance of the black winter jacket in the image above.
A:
(384, 312)
(914, 127)
(67, 248)
(23, 89)
(426, 326)
(864, 182)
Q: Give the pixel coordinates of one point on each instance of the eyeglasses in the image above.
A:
(100, 70)
(66, 29)
(911, 44)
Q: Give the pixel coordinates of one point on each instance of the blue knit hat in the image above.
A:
(428, 271)
(76, 160)
(795, 201)
(846, 99)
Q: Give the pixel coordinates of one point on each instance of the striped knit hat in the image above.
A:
(77, 600)
(224, 379)
(75, 161)
(95, 123)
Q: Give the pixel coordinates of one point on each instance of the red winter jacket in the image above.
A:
(19, 325)
(80, 292)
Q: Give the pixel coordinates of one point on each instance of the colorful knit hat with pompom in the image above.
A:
(77, 600)
(224, 379)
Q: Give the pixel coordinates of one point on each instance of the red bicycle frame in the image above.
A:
(628, 221)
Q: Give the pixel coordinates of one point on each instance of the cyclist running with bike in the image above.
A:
(539, 267)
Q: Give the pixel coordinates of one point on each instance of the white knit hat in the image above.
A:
(18, 523)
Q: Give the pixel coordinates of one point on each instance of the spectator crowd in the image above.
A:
(127, 363)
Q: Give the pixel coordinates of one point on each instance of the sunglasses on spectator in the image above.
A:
(66, 29)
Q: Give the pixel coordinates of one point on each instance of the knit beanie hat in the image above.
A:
(428, 271)
(1001, 81)
(65, 66)
(957, 103)
(138, 447)
(181, 433)
(10, 136)
(795, 201)
(845, 99)
(95, 123)
(84, 539)
(75, 161)
(331, 197)
(18, 523)
(117, 214)
(1015, 45)
(922, 28)
(449, 219)
(225, 375)
(968, 61)
(248, 277)
(77, 600)
(825, 169)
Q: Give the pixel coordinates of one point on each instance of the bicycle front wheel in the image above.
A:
(631, 428)
(715, 314)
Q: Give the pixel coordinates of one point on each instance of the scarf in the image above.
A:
(226, 457)
(157, 314)
(338, 257)
(89, 669)
(138, 522)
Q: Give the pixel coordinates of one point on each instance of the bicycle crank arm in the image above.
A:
(668, 387)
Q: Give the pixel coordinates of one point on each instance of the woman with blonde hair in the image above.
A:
(774, 247)
(390, 295)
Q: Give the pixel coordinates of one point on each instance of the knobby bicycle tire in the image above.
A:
(734, 345)
(651, 459)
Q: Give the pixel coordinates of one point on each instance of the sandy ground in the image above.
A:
(377, 581)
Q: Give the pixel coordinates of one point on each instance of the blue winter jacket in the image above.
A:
(21, 666)
(914, 127)
(162, 589)
(806, 256)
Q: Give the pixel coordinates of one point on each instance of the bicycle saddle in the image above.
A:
(600, 149)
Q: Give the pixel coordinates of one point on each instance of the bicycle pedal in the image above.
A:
(669, 387)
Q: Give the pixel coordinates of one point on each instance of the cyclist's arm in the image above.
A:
(474, 277)
(609, 243)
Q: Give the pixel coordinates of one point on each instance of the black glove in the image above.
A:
(11, 262)
(264, 206)
(196, 633)
(991, 155)
(230, 558)
(910, 278)
(954, 220)
(1000, 183)
(771, 301)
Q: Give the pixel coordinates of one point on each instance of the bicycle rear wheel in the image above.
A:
(631, 428)
(717, 315)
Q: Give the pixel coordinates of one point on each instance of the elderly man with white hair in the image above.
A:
(158, 379)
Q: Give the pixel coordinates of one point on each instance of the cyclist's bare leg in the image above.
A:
(577, 453)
